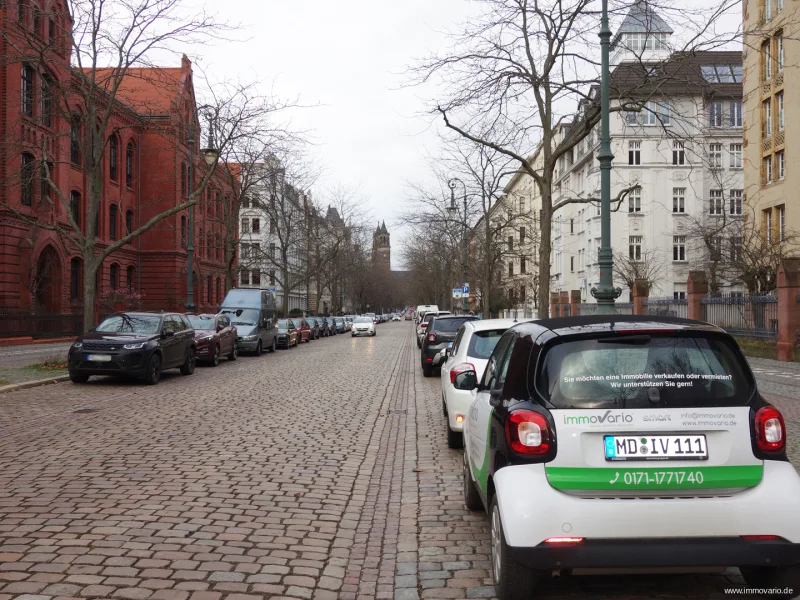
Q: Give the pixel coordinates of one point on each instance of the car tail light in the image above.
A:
(460, 368)
(563, 540)
(770, 430)
(459, 418)
(528, 432)
(423, 325)
(432, 337)
(761, 538)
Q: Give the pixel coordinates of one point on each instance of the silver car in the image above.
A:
(363, 326)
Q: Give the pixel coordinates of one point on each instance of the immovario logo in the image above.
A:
(608, 417)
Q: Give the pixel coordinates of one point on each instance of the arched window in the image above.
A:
(129, 165)
(183, 181)
(75, 140)
(75, 273)
(200, 241)
(27, 90)
(128, 221)
(218, 205)
(183, 231)
(209, 289)
(75, 207)
(37, 20)
(26, 179)
(209, 245)
(218, 247)
(46, 101)
(130, 276)
(112, 158)
(114, 276)
(112, 222)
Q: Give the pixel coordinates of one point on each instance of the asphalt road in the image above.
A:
(320, 472)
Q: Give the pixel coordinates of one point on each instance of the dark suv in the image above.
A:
(134, 344)
(439, 333)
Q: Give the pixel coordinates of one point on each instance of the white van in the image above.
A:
(424, 308)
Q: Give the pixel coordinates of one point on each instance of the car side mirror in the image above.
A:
(466, 380)
(220, 327)
(92, 328)
(494, 395)
(167, 333)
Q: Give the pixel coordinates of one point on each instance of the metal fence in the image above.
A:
(21, 324)
(746, 316)
(667, 307)
(586, 308)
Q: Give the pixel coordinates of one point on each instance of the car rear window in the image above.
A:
(450, 325)
(645, 372)
(482, 343)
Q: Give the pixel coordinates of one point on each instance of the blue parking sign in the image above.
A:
(465, 289)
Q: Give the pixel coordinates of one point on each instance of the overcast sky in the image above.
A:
(348, 57)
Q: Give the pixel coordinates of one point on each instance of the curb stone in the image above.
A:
(31, 384)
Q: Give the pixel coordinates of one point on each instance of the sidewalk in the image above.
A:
(10, 375)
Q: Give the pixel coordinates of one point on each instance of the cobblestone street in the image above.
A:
(320, 472)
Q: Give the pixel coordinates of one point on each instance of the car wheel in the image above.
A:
(775, 578)
(471, 496)
(274, 346)
(454, 438)
(234, 351)
(187, 368)
(258, 348)
(78, 378)
(512, 581)
(427, 371)
(153, 372)
(215, 358)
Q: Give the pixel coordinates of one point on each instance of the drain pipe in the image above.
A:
(139, 208)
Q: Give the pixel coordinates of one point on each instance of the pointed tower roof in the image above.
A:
(383, 228)
(642, 18)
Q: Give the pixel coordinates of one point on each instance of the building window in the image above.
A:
(209, 245)
(112, 158)
(736, 249)
(130, 276)
(571, 227)
(272, 277)
(26, 175)
(51, 31)
(256, 277)
(781, 222)
(272, 250)
(219, 290)
(736, 156)
(523, 268)
(781, 56)
(679, 248)
(245, 225)
(766, 59)
(736, 114)
(183, 231)
(522, 236)
(781, 165)
(510, 243)
(635, 247)
(112, 222)
(129, 165)
(736, 197)
(779, 100)
(767, 110)
(75, 278)
(114, 276)
(200, 239)
(27, 91)
(715, 248)
(184, 186)
(245, 202)
(510, 269)
(716, 205)
(634, 153)
(768, 224)
(571, 265)
(678, 153)
(46, 101)
(768, 169)
(128, 222)
(635, 201)
(678, 200)
(209, 287)
(75, 140)
(715, 114)
(273, 226)
(715, 156)
(679, 295)
(767, 10)
(44, 186)
(37, 20)
(244, 278)
(256, 225)
(75, 207)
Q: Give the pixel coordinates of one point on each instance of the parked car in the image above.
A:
(314, 325)
(341, 326)
(604, 421)
(440, 332)
(324, 329)
(331, 325)
(363, 326)
(303, 329)
(349, 319)
(287, 334)
(422, 309)
(408, 316)
(134, 344)
(373, 316)
(423, 324)
(215, 337)
(470, 350)
(252, 312)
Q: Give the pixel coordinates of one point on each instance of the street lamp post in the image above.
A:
(453, 209)
(210, 155)
(605, 292)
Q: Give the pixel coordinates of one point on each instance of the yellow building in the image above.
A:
(771, 86)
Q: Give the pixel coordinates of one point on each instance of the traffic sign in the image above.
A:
(465, 289)
(457, 292)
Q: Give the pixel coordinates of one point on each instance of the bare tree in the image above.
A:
(646, 265)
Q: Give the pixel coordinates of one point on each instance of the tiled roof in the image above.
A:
(146, 90)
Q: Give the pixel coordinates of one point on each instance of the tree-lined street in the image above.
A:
(321, 477)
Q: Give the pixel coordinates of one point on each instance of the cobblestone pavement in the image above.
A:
(315, 473)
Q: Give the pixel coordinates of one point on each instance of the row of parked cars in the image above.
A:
(615, 442)
(141, 345)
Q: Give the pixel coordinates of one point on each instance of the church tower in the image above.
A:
(381, 248)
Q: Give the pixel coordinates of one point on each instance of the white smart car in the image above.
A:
(618, 442)
(470, 351)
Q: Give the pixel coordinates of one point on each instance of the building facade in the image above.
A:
(769, 89)
(145, 173)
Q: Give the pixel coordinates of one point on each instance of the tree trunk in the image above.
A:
(286, 291)
(89, 288)
(545, 225)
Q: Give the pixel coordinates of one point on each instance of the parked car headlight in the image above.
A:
(249, 338)
(137, 346)
(207, 338)
(77, 345)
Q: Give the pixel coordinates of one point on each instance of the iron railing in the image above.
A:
(667, 307)
(39, 326)
(746, 316)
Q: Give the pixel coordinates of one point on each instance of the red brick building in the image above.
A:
(145, 172)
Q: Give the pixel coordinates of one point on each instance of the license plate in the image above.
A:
(656, 447)
(98, 358)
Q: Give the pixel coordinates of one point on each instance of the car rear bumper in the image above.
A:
(666, 552)
(532, 510)
(458, 403)
(431, 351)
